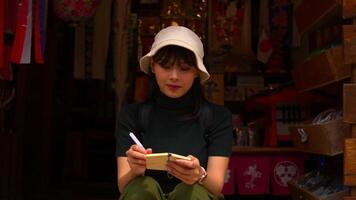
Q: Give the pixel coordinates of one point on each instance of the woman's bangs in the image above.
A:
(169, 55)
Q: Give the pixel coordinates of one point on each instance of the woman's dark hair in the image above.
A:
(169, 55)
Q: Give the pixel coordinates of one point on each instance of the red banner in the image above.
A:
(2, 22)
(21, 50)
(6, 70)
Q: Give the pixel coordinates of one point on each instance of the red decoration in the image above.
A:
(253, 174)
(228, 20)
(75, 10)
(230, 177)
(285, 168)
(265, 45)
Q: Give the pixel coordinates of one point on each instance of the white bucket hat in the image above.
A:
(180, 36)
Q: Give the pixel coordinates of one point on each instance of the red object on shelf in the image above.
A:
(285, 168)
(270, 102)
(253, 174)
(230, 177)
(286, 95)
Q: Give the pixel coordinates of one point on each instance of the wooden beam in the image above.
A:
(353, 73)
(349, 38)
(350, 144)
(350, 162)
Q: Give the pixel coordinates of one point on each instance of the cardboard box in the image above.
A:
(321, 70)
(298, 193)
(324, 139)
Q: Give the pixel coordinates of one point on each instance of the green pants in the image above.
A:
(147, 188)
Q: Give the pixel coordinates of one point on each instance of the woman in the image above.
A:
(176, 118)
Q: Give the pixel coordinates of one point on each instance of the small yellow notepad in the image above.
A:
(158, 161)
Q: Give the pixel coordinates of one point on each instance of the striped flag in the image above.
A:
(40, 25)
(21, 50)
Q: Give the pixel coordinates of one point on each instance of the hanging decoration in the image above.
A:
(280, 19)
(195, 17)
(9, 12)
(191, 14)
(172, 13)
(264, 47)
(30, 23)
(2, 28)
(21, 51)
(228, 18)
(40, 27)
(74, 11)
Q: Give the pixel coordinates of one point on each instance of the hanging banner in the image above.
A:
(11, 12)
(2, 26)
(264, 50)
(228, 20)
(21, 50)
(280, 19)
(40, 25)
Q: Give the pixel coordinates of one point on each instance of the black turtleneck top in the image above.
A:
(169, 130)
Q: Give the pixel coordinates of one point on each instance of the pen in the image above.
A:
(134, 138)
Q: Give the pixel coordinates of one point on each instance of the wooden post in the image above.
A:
(349, 11)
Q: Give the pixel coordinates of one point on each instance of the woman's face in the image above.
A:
(174, 81)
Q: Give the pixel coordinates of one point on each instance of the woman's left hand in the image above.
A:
(187, 171)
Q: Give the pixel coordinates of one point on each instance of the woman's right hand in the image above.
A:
(137, 160)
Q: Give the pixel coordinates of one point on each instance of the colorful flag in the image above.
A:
(21, 50)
